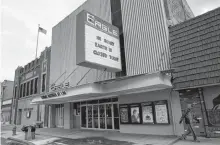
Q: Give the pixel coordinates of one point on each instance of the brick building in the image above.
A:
(6, 100)
(29, 81)
(195, 51)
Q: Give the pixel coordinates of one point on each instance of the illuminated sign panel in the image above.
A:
(97, 43)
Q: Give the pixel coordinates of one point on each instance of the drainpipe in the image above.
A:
(204, 115)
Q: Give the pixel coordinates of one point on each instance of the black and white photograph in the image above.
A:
(110, 72)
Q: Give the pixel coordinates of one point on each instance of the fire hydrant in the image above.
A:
(14, 130)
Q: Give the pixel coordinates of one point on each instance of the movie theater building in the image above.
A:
(195, 51)
(30, 81)
(109, 69)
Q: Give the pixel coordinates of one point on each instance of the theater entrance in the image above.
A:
(103, 116)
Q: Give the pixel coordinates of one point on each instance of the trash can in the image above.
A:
(33, 129)
(25, 130)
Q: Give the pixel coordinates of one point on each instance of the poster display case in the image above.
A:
(124, 114)
(155, 112)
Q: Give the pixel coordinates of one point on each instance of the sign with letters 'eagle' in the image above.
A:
(97, 43)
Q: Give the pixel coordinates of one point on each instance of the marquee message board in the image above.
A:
(97, 43)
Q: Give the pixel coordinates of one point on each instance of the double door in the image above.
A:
(100, 116)
(59, 109)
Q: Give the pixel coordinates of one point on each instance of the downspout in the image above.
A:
(204, 111)
(204, 115)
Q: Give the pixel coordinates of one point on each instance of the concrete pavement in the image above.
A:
(203, 141)
(50, 134)
(137, 139)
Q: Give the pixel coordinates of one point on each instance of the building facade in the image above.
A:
(139, 98)
(6, 100)
(30, 81)
(195, 51)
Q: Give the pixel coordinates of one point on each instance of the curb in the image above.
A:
(23, 142)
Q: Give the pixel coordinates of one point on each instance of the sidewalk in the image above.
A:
(50, 134)
(203, 141)
(39, 139)
(111, 135)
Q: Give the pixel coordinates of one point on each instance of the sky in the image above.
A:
(19, 26)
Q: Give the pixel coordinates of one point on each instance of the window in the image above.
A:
(35, 85)
(28, 114)
(32, 85)
(21, 87)
(43, 83)
(24, 89)
(27, 91)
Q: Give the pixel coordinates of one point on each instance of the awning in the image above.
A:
(114, 87)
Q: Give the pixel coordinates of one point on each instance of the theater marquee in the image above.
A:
(97, 43)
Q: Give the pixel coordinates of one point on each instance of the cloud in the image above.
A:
(20, 21)
(202, 6)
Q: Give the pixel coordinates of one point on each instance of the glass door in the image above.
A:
(83, 116)
(102, 116)
(95, 116)
(90, 116)
(109, 116)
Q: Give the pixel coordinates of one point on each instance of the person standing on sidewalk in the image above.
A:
(186, 119)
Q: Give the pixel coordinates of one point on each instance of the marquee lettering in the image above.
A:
(91, 20)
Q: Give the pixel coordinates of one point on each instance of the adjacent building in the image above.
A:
(195, 51)
(30, 81)
(6, 100)
(88, 91)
